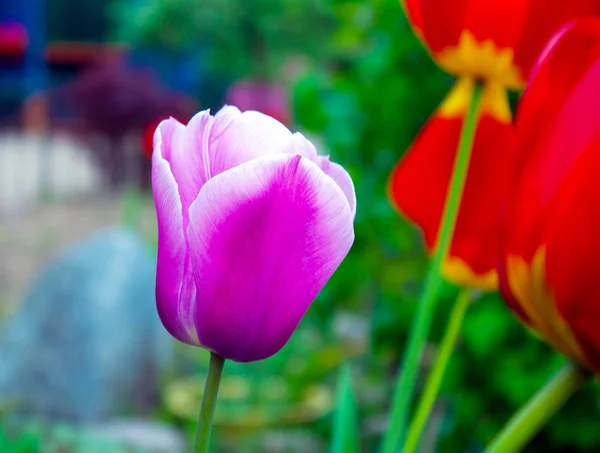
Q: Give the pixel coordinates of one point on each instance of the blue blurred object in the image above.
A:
(22, 77)
(87, 342)
(181, 71)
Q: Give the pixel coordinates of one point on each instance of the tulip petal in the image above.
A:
(419, 183)
(500, 21)
(573, 225)
(543, 19)
(172, 249)
(265, 237)
(553, 210)
(546, 151)
(342, 178)
(491, 39)
(246, 137)
(299, 145)
(190, 153)
(222, 120)
(442, 22)
(574, 246)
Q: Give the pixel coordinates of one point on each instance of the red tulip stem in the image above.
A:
(209, 402)
(436, 374)
(407, 376)
(528, 421)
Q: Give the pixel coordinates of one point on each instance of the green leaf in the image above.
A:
(345, 422)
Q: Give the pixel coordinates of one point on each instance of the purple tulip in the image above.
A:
(251, 225)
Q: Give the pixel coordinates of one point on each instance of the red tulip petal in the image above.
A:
(419, 182)
(543, 19)
(538, 168)
(493, 39)
(500, 21)
(443, 22)
(574, 247)
(552, 81)
(550, 244)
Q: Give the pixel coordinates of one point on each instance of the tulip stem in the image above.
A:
(526, 423)
(209, 400)
(407, 375)
(434, 380)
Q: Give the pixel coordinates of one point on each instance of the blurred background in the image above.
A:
(85, 365)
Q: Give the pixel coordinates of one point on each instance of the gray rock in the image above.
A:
(87, 343)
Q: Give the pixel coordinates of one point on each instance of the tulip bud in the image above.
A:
(252, 223)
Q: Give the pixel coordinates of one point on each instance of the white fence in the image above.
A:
(35, 168)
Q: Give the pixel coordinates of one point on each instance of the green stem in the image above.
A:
(526, 423)
(434, 380)
(209, 400)
(407, 375)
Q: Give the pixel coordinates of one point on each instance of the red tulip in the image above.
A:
(494, 42)
(550, 241)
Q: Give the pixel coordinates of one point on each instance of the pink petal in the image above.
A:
(342, 178)
(210, 145)
(299, 145)
(177, 318)
(186, 150)
(246, 137)
(264, 239)
(222, 119)
(189, 150)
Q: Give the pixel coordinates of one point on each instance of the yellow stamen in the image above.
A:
(481, 60)
(494, 100)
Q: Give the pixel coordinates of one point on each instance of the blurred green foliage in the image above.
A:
(35, 437)
(345, 436)
(242, 38)
(22, 442)
(291, 388)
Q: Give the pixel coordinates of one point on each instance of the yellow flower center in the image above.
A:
(481, 60)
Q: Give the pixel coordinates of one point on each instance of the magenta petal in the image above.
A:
(171, 244)
(264, 239)
(299, 145)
